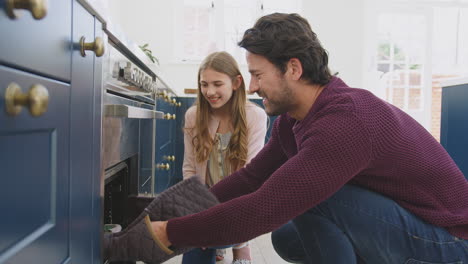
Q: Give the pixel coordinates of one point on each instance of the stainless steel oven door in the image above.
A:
(128, 130)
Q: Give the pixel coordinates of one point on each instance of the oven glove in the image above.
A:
(138, 244)
(189, 196)
(136, 241)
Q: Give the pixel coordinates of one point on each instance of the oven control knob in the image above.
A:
(163, 166)
(128, 71)
(116, 70)
(136, 75)
(141, 78)
(147, 84)
(150, 85)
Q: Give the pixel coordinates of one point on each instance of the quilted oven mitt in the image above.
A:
(138, 241)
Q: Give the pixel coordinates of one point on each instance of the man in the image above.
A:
(345, 177)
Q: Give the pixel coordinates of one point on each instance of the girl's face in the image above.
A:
(217, 87)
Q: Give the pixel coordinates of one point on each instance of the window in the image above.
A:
(198, 29)
(401, 60)
(205, 26)
(412, 45)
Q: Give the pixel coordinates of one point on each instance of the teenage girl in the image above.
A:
(223, 132)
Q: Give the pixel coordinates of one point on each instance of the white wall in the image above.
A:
(338, 24)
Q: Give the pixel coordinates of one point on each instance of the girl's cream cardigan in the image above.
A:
(256, 131)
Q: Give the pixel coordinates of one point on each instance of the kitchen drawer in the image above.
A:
(41, 46)
(35, 175)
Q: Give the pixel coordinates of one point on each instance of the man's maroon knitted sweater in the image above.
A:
(349, 136)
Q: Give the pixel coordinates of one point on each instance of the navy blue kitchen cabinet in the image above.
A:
(35, 177)
(454, 124)
(85, 140)
(50, 159)
(185, 104)
(38, 45)
(165, 143)
(146, 165)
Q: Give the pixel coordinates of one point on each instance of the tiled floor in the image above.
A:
(261, 249)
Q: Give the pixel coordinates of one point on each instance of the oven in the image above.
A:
(128, 127)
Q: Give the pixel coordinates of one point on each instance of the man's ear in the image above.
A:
(295, 69)
(237, 82)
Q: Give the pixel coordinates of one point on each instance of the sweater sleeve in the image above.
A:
(334, 149)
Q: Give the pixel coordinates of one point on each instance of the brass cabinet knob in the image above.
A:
(37, 99)
(97, 46)
(162, 94)
(168, 116)
(175, 103)
(163, 166)
(169, 158)
(38, 8)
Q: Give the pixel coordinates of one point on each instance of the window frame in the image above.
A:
(219, 7)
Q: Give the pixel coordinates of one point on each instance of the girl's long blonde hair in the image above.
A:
(222, 62)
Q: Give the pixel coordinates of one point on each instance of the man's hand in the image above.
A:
(159, 228)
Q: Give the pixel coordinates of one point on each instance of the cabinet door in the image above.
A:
(454, 124)
(146, 157)
(85, 116)
(42, 46)
(164, 147)
(34, 162)
(186, 103)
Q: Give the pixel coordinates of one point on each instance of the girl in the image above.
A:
(223, 132)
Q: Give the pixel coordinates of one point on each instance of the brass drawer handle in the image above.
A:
(38, 8)
(37, 99)
(175, 103)
(162, 94)
(168, 116)
(97, 46)
(163, 166)
(169, 158)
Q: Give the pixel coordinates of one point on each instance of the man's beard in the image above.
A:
(281, 103)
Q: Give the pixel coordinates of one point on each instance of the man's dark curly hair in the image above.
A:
(279, 37)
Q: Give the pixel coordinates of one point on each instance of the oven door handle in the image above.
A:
(128, 111)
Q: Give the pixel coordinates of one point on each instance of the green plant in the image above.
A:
(149, 53)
